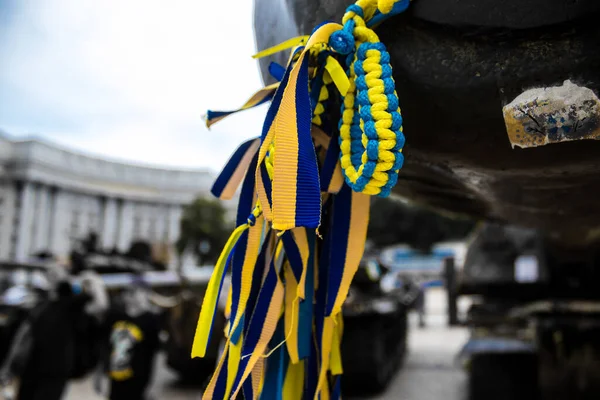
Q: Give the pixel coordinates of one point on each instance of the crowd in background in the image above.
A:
(76, 332)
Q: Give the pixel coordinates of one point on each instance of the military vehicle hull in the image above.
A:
(535, 321)
(473, 145)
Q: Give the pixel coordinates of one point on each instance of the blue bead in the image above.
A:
(373, 150)
(399, 162)
(342, 42)
(370, 130)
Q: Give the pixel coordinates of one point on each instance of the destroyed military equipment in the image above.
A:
(460, 68)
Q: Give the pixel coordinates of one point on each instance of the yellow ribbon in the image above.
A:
(288, 44)
(338, 75)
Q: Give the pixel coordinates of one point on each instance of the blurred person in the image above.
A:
(420, 303)
(416, 295)
(43, 351)
(131, 342)
(420, 306)
(93, 284)
(88, 327)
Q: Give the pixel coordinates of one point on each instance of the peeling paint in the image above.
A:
(542, 116)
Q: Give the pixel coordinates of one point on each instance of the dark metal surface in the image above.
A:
(456, 65)
(503, 14)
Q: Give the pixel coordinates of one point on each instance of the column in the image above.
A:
(145, 214)
(174, 223)
(108, 232)
(84, 218)
(7, 218)
(173, 230)
(33, 222)
(52, 219)
(25, 216)
(42, 219)
(58, 239)
(152, 228)
(118, 223)
(161, 225)
(125, 225)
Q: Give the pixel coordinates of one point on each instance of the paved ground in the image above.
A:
(429, 372)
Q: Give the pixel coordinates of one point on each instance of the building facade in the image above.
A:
(50, 197)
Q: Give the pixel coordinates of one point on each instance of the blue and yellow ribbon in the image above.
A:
(304, 209)
(295, 191)
(263, 96)
(211, 297)
(234, 171)
(350, 219)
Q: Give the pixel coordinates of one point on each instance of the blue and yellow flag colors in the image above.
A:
(303, 212)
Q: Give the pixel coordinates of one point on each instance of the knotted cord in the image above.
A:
(371, 137)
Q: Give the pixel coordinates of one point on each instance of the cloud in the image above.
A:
(131, 79)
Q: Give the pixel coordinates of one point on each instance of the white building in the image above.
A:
(50, 196)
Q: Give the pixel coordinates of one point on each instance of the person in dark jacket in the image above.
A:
(132, 341)
(43, 351)
(417, 292)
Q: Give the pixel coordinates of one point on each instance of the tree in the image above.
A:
(393, 222)
(204, 230)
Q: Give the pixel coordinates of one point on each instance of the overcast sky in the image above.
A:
(130, 79)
